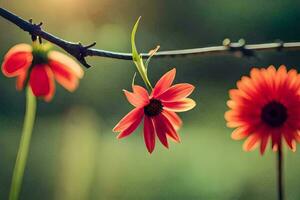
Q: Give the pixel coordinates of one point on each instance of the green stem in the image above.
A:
(24, 145)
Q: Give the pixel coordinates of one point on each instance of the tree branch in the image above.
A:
(80, 52)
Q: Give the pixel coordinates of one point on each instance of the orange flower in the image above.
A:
(39, 66)
(266, 106)
(158, 110)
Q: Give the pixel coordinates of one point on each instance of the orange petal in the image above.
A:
(180, 106)
(173, 118)
(130, 129)
(19, 48)
(177, 92)
(139, 97)
(164, 83)
(64, 75)
(251, 142)
(160, 130)
(141, 92)
(130, 118)
(65, 62)
(133, 99)
(241, 133)
(17, 60)
(42, 82)
(149, 134)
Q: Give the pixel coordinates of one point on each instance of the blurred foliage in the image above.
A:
(74, 154)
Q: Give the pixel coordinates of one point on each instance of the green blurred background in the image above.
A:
(74, 154)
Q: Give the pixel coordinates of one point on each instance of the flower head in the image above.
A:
(38, 66)
(158, 110)
(266, 106)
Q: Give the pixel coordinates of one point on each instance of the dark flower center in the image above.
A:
(274, 114)
(153, 108)
(39, 57)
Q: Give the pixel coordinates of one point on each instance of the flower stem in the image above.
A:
(24, 146)
(280, 173)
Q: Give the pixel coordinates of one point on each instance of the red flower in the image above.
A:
(39, 67)
(266, 106)
(158, 110)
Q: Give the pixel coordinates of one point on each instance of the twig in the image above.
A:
(80, 52)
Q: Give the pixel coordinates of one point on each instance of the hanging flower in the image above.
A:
(39, 66)
(266, 106)
(158, 110)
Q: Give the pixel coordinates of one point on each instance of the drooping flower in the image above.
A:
(266, 106)
(39, 66)
(158, 110)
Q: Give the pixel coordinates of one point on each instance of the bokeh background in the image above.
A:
(74, 154)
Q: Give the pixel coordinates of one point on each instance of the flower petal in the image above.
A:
(264, 142)
(251, 142)
(164, 83)
(180, 106)
(160, 130)
(21, 80)
(177, 92)
(129, 119)
(136, 99)
(64, 75)
(149, 134)
(289, 138)
(173, 118)
(65, 62)
(17, 60)
(141, 92)
(171, 132)
(130, 129)
(241, 132)
(42, 82)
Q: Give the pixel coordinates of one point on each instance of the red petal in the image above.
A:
(149, 134)
(177, 92)
(130, 129)
(171, 132)
(173, 118)
(180, 106)
(140, 92)
(66, 63)
(164, 83)
(276, 140)
(17, 60)
(42, 82)
(126, 121)
(64, 75)
(289, 138)
(161, 132)
(21, 80)
(264, 142)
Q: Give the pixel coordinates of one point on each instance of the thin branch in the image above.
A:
(80, 52)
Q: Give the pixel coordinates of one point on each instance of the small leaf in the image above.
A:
(135, 54)
(133, 79)
(151, 54)
(137, 59)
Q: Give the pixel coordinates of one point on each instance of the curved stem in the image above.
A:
(24, 146)
(280, 173)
